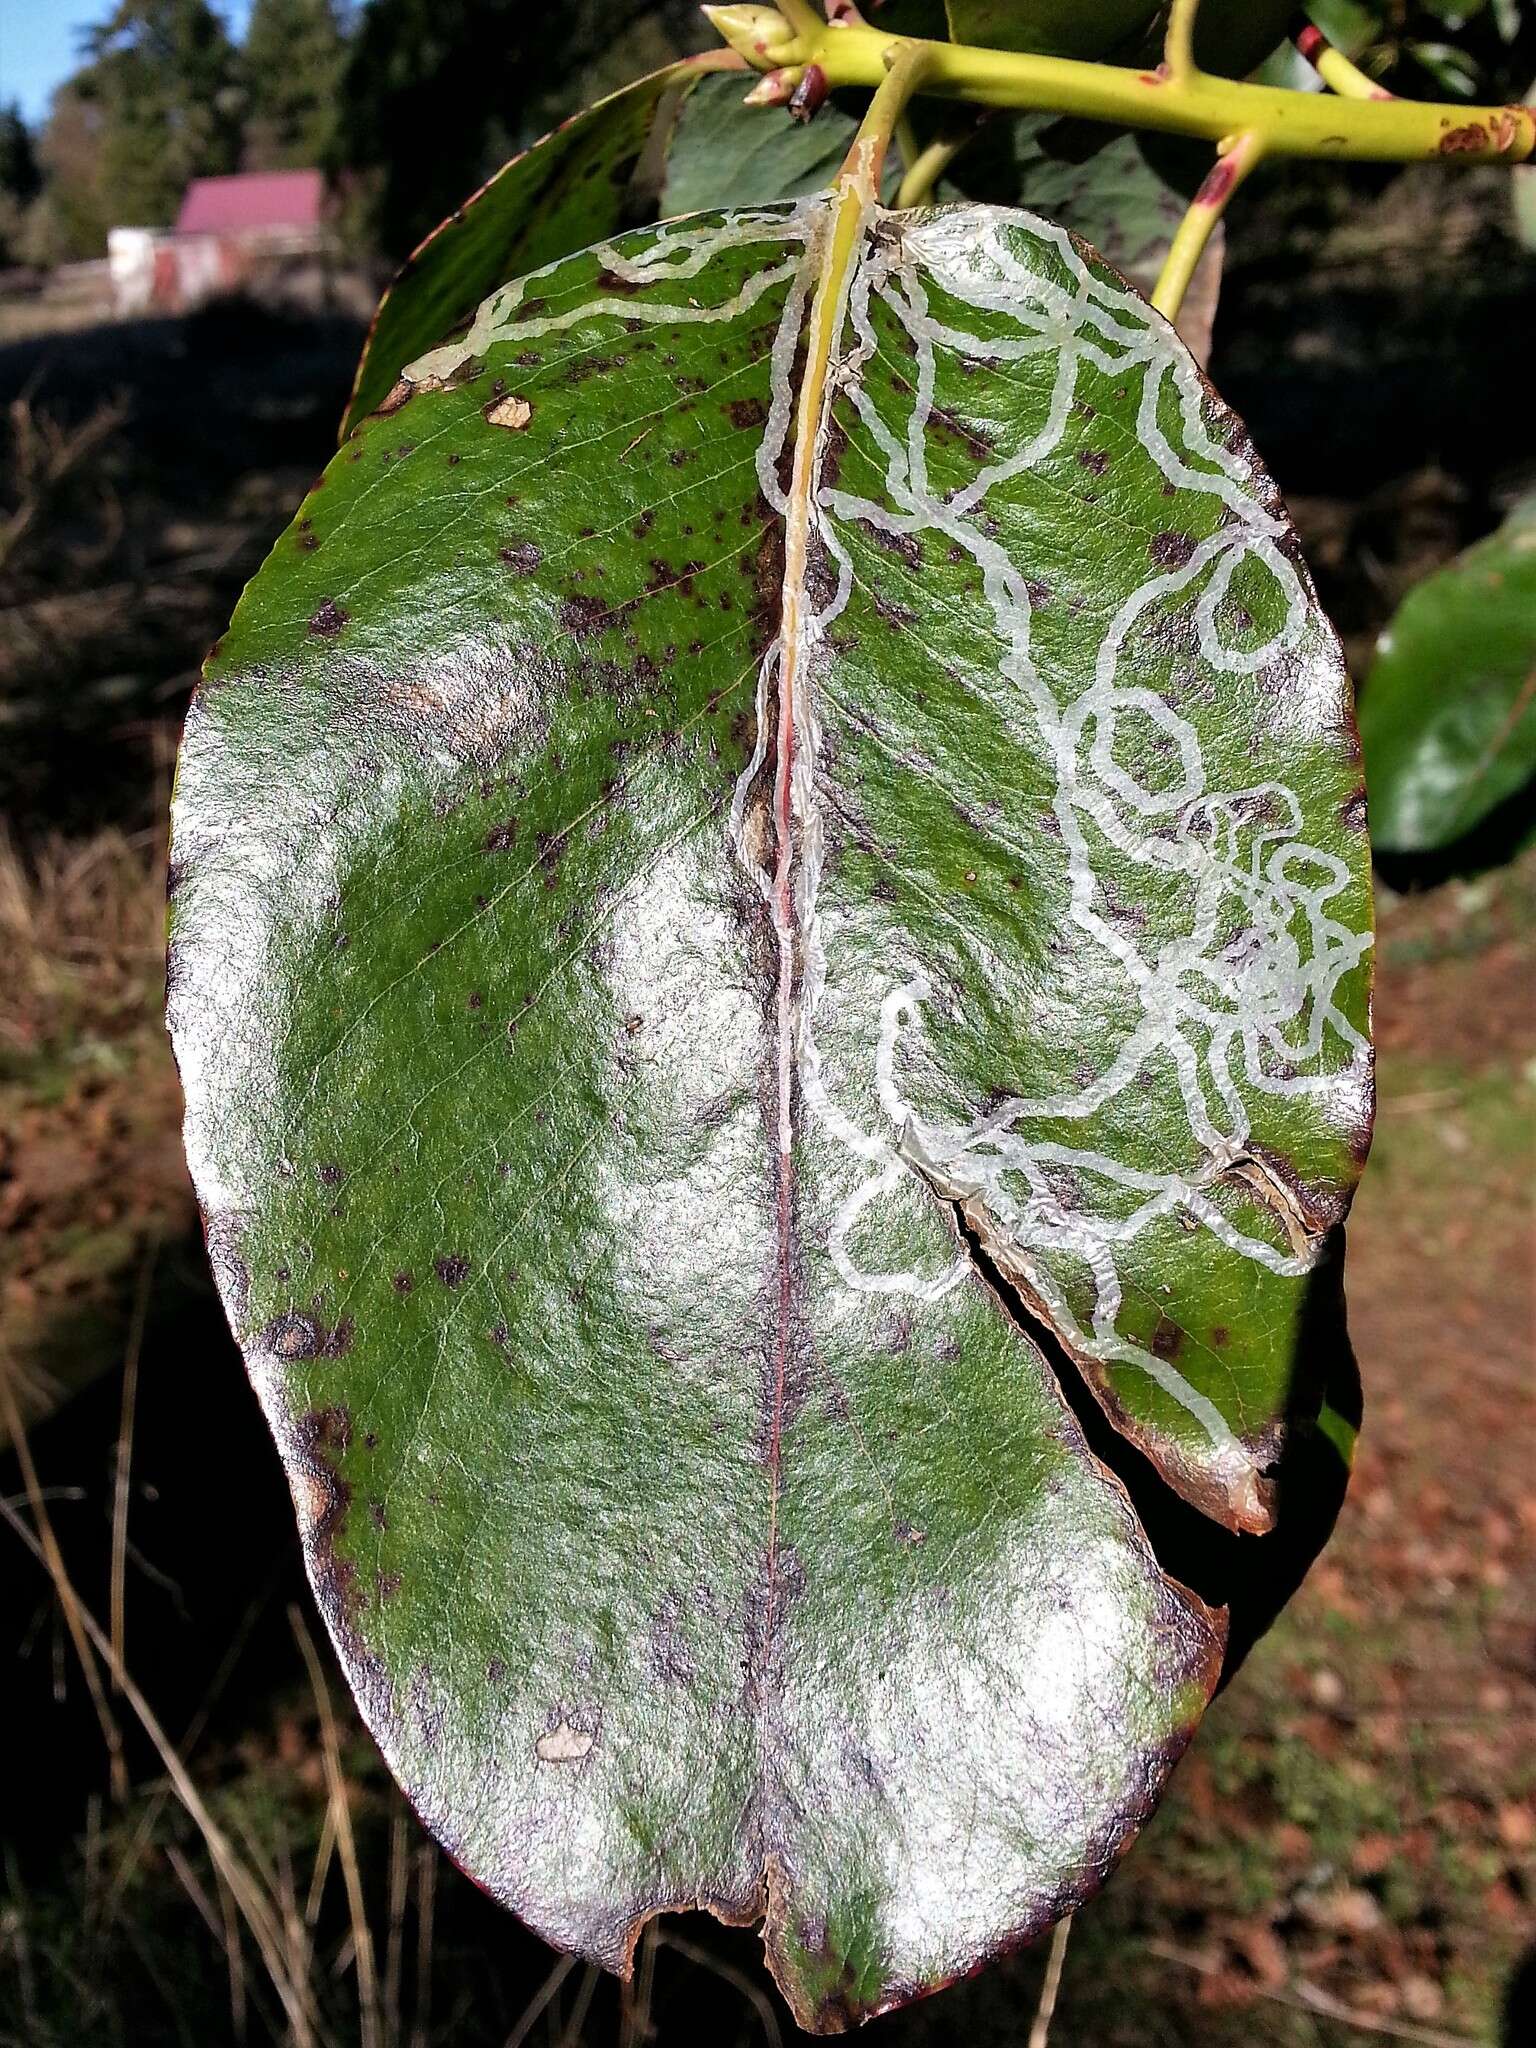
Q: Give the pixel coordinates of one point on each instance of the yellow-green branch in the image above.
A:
(1194, 102)
(1195, 229)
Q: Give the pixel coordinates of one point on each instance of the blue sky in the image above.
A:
(39, 40)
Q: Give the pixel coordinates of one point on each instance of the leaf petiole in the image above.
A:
(1205, 209)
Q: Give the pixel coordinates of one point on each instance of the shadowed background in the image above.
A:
(1350, 1844)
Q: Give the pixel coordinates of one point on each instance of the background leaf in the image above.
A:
(1231, 36)
(1050, 28)
(1448, 716)
(727, 154)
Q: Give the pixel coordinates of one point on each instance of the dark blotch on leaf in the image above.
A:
(339, 1341)
(327, 1429)
(581, 617)
(1171, 550)
(328, 619)
(1167, 1338)
(452, 1269)
(292, 1336)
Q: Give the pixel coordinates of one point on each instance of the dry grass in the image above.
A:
(82, 934)
(48, 461)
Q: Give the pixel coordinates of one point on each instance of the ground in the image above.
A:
(1350, 1840)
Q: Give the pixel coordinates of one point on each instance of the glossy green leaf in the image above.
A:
(1448, 717)
(565, 192)
(1050, 28)
(1350, 25)
(1231, 36)
(776, 851)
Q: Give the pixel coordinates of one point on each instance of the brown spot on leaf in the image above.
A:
(452, 1269)
(328, 619)
(292, 1337)
(338, 1341)
(903, 544)
(582, 617)
(398, 394)
(327, 1429)
(1171, 550)
(563, 1744)
(509, 411)
(1167, 1338)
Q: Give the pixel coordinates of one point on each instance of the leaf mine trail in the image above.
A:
(1244, 1003)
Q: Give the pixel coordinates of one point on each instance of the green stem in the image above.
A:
(1335, 69)
(903, 71)
(1179, 40)
(1200, 218)
(1286, 123)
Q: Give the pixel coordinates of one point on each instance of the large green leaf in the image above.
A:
(775, 853)
(558, 196)
(1448, 716)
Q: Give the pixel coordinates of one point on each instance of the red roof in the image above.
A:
(252, 202)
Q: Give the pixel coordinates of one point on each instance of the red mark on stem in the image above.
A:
(1217, 183)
